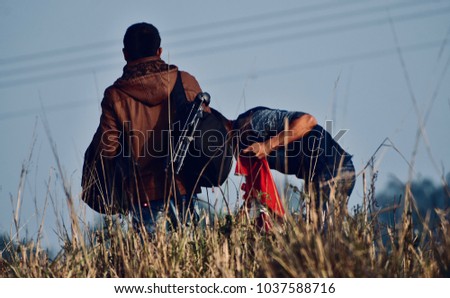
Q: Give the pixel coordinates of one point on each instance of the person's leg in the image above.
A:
(146, 216)
(333, 194)
(175, 214)
(183, 211)
(344, 184)
(319, 196)
(313, 202)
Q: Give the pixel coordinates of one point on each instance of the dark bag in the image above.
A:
(103, 182)
(209, 157)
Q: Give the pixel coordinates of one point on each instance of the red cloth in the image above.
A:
(259, 183)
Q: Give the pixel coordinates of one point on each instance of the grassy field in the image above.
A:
(355, 245)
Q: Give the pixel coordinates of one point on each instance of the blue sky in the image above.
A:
(375, 68)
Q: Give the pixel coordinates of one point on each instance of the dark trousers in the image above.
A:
(171, 214)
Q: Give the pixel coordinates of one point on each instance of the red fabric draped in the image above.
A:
(259, 183)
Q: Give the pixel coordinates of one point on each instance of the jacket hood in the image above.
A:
(148, 80)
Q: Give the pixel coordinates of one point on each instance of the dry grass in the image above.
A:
(351, 247)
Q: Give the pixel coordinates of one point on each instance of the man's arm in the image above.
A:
(106, 140)
(298, 128)
(99, 155)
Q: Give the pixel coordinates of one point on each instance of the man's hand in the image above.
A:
(261, 150)
(297, 129)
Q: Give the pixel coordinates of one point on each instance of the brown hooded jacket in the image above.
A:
(135, 117)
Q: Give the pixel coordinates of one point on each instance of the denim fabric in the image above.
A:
(342, 184)
(172, 215)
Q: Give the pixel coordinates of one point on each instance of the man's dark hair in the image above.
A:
(141, 40)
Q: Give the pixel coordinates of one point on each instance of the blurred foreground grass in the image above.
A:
(352, 246)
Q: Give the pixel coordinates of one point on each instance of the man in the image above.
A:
(293, 143)
(132, 142)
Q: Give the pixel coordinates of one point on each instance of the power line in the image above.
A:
(49, 108)
(183, 30)
(315, 33)
(57, 52)
(58, 75)
(57, 64)
(281, 70)
(221, 36)
(308, 21)
(266, 16)
(238, 45)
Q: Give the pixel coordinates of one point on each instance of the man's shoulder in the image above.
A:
(190, 85)
(187, 78)
(111, 91)
(112, 94)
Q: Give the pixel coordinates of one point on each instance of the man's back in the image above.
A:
(136, 121)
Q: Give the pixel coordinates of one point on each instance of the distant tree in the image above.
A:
(428, 197)
(5, 247)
